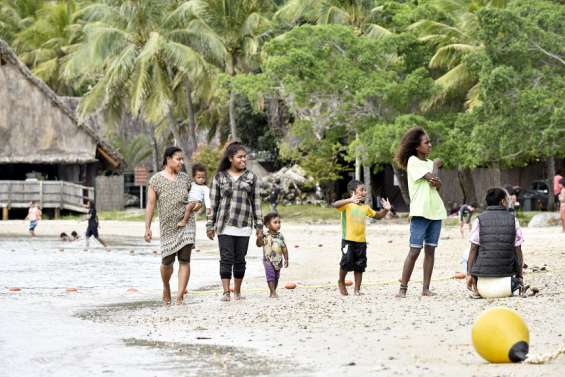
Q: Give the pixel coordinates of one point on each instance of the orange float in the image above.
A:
(14, 289)
(132, 290)
(72, 290)
(290, 285)
(348, 283)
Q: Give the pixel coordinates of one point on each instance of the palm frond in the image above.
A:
(334, 15)
(450, 56)
(376, 31)
(473, 97)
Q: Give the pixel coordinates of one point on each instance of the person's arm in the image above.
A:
(520, 273)
(382, 213)
(207, 203)
(151, 201)
(340, 203)
(472, 280)
(285, 256)
(256, 207)
(214, 206)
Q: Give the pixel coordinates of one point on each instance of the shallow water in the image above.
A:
(46, 330)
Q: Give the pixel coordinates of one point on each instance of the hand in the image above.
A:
(471, 283)
(386, 204)
(259, 242)
(148, 235)
(259, 233)
(438, 163)
(355, 199)
(210, 233)
(286, 263)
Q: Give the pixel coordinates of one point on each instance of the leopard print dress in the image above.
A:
(172, 198)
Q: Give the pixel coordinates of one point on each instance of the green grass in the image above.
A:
(305, 213)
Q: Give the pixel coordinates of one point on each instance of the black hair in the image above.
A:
(353, 184)
(198, 167)
(169, 153)
(63, 235)
(474, 204)
(230, 151)
(562, 181)
(74, 233)
(408, 144)
(495, 195)
(269, 217)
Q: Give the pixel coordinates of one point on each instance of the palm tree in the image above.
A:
(139, 63)
(453, 42)
(360, 14)
(46, 43)
(16, 15)
(233, 29)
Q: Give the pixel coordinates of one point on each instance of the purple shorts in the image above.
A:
(270, 272)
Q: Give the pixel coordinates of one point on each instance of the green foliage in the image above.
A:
(210, 157)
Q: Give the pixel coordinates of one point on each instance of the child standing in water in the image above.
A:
(199, 193)
(33, 215)
(426, 207)
(92, 228)
(275, 252)
(354, 213)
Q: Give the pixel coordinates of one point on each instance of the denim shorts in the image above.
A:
(424, 232)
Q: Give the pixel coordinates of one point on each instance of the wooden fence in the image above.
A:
(49, 194)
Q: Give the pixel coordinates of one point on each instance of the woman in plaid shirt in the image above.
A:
(236, 210)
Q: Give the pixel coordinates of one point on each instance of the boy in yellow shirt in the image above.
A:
(354, 213)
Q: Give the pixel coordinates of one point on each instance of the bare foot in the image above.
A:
(428, 293)
(273, 295)
(226, 296)
(358, 293)
(237, 296)
(179, 301)
(181, 224)
(342, 288)
(167, 295)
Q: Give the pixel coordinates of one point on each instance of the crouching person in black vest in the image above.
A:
(495, 264)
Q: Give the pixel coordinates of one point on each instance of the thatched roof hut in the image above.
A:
(36, 127)
(41, 139)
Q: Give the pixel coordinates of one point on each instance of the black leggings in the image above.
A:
(233, 250)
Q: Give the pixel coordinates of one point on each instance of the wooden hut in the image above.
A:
(46, 154)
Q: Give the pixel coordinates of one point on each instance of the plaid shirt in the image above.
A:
(234, 203)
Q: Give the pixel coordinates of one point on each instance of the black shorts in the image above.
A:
(92, 230)
(183, 256)
(353, 256)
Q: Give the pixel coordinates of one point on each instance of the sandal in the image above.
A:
(226, 296)
(402, 291)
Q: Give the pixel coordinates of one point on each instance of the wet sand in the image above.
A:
(313, 331)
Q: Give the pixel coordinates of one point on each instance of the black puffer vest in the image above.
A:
(497, 233)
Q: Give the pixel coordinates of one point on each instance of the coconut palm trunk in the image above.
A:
(231, 72)
(191, 118)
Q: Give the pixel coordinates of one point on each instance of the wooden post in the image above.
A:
(5, 211)
(141, 197)
(41, 194)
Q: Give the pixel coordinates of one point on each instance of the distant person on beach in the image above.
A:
(92, 228)
(495, 264)
(557, 186)
(354, 213)
(168, 190)
(275, 192)
(236, 210)
(275, 252)
(199, 193)
(562, 203)
(426, 206)
(33, 215)
(466, 212)
(66, 238)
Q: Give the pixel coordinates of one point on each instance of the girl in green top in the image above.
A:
(426, 207)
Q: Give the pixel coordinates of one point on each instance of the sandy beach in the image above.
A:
(313, 331)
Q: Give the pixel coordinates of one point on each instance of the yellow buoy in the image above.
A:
(500, 335)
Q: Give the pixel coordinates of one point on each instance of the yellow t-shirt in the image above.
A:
(353, 221)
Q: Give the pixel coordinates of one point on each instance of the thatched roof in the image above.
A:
(103, 149)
